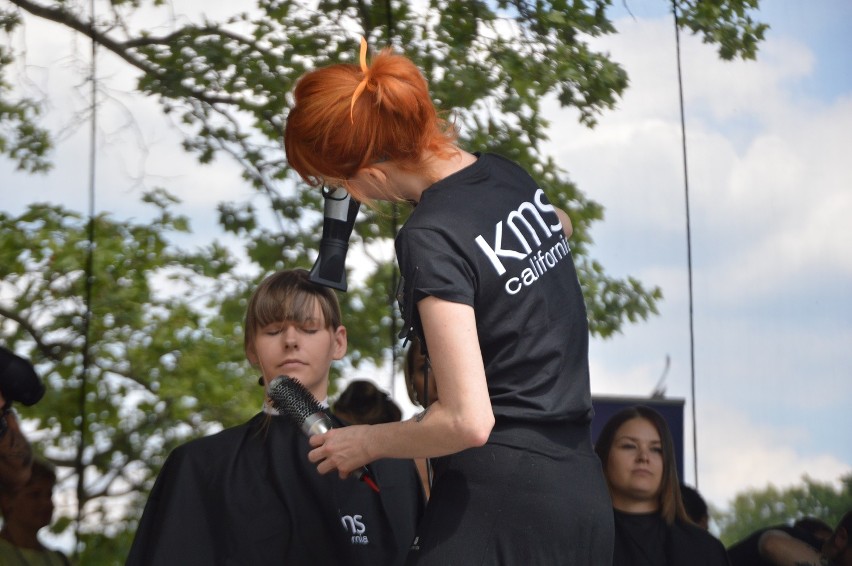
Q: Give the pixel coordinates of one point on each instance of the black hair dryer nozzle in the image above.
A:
(339, 212)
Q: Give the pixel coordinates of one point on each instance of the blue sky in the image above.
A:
(770, 196)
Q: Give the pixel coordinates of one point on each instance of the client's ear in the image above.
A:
(341, 342)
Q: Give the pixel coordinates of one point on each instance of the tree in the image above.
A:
(756, 509)
(165, 360)
(229, 82)
(20, 137)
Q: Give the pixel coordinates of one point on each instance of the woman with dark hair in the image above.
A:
(651, 525)
(490, 289)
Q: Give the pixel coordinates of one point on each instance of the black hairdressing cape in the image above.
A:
(248, 495)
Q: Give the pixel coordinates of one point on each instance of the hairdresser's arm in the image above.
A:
(465, 406)
(461, 417)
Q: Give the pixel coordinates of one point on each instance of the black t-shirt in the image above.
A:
(644, 539)
(488, 237)
(640, 539)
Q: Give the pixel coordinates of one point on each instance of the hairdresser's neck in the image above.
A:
(413, 184)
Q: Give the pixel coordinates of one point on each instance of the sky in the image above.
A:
(770, 197)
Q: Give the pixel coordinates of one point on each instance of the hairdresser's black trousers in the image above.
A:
(533, 495)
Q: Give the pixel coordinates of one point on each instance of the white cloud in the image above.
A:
(749, 455)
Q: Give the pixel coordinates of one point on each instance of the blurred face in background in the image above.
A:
(30, 507)
(17, 455)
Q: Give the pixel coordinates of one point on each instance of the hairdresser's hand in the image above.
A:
(342, 449)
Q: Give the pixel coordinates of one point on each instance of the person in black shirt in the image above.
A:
(806, 543)
(651, 525)
(490, 289)
(780, 548)
(746, 552)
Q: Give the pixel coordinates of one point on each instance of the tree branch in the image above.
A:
(124, 49)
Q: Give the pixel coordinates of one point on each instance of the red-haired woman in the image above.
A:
(651, 525)
(490, 288)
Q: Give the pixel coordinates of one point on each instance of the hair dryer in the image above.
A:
(340, 212)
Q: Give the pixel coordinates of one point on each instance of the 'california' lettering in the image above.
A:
(539, 263)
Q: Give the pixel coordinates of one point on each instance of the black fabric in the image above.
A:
(248, 495)
(488, 237)
(499, 504)
(646, 540)
(746, 552)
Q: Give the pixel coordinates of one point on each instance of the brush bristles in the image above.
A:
(291, 398)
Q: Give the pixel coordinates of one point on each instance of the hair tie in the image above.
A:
(363, 84)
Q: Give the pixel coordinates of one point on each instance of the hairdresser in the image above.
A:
(490, 289)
